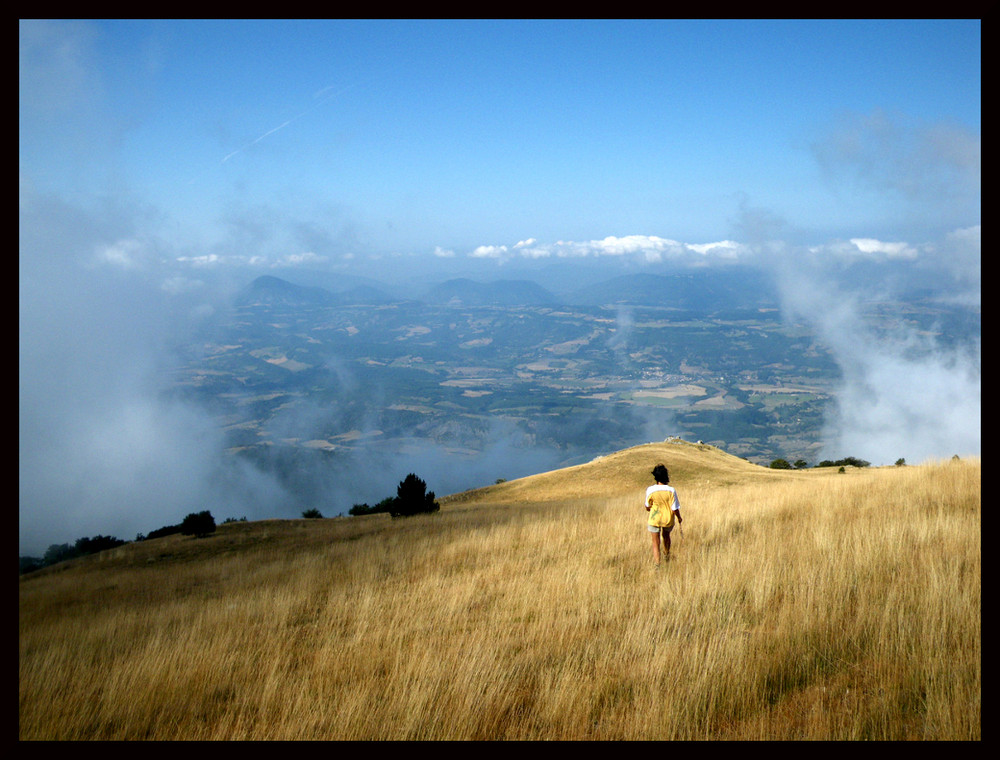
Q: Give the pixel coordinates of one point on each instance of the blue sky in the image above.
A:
(413, 136)
(164, 164)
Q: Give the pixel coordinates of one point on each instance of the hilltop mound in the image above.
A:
(691, 465)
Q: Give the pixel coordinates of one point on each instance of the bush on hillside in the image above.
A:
(62, 552)
(166, 530)
(363, 509)
(413, 498)
(97, 544)
(29, 564)
(312, 513)
(198, 524)
(59, 553)
(852, 461)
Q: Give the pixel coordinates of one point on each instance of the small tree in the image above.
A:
(312, 513)
(59, 553)
(413, 498)
(383, 506)
(199, 524)
(780, 464)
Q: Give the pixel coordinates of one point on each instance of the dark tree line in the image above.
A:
(195, 524)
(412, 498)
(62, 552)
(782, 464)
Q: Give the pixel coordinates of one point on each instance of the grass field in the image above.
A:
(797, 605)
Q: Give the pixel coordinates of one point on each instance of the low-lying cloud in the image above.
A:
(903, 393)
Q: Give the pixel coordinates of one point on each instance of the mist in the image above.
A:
(104, 448)
(903, 394)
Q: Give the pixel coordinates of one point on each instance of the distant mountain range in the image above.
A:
(468, 292)
(699, 291)
(274, 291)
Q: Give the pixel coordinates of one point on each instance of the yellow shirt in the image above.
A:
(662, 502)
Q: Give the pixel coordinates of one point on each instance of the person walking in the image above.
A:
(664, 509)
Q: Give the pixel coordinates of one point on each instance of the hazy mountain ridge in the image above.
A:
(466, 292)
(268, 290)
(701, 291)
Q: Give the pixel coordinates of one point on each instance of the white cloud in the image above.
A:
(645, 244)
(298, 259)
(208, 259)
(489, 252)
(963, 249)
(901, 394)
(647, 248)
(535, 252)
(724, 249)
(126, 253)
(889, 250)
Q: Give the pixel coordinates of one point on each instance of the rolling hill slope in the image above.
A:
(691, 465)
(799, 605)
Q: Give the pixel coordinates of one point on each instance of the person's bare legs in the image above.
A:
(656, 547)
(665, 532)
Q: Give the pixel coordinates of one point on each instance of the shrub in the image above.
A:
(312, 513)
(59, 553)
(166, 530)
(198, 524)
(97, 544)
(29, 564)
(780, 464)
(363, 509)
(852, 461)
(413, 498)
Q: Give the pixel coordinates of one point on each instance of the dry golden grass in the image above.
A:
(797, 606)
(691, 465)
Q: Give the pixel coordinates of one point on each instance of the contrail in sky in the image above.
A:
(322, 99)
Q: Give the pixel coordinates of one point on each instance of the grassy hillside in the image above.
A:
(691, 465)
(798, 605)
